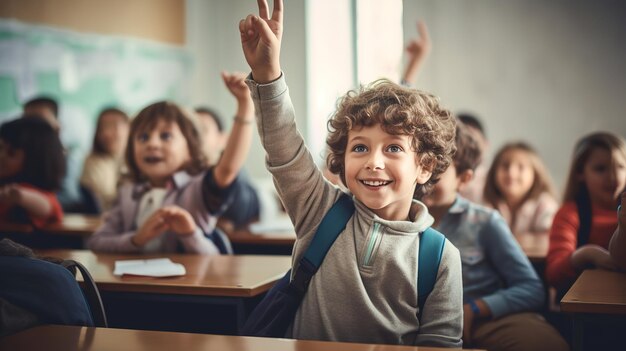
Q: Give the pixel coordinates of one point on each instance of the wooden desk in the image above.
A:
(75, 224)
(597, 291)
(215, 296)
(597, 297)
(534, 245)
(68, 338)
(70, 233)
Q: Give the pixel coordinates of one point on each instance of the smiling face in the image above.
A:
(160, 152)
(515, 175)
(382, 170)
(604, 173)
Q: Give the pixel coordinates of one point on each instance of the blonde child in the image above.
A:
(105, 164)
(175, 200)
(501, 291)
(583, 226)
(519, 186)
(32, 166)
(386, 142)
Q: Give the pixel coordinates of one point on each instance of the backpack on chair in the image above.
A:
(37, 291)
(274, 314)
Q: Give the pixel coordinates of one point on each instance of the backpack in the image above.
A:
(274, 314)
(49, 292)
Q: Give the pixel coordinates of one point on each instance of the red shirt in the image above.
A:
(564, 239)
(55, 216)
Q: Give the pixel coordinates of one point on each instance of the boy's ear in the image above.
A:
(424, 175)
(465, 177)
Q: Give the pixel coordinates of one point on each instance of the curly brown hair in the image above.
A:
(148, 118)
(399, 111)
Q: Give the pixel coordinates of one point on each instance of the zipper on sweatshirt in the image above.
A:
(372, 245)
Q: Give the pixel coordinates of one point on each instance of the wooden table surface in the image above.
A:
(69, 338)
(597, 291)
(73, 224)
(231, 276)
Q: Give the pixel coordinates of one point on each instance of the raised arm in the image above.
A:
(417, 50)
(240, 138)
(260, 39)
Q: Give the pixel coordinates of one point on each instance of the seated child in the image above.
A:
(583, 226)
(32, 166)
(246, 205)
(474, 189)
(386, 142)
(104, 166)
(501, 290)
(174, 200)
(519, 186)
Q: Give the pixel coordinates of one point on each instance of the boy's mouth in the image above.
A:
(375, 183)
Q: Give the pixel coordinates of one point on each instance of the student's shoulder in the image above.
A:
(475, 212)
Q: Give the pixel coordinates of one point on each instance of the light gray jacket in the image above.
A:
(366, 289)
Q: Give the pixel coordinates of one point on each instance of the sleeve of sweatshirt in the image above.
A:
(305, 193)
(442, 319)
(111, 237)
(522, 290)
(563, 240)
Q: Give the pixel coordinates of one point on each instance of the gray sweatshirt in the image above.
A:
(366, 289)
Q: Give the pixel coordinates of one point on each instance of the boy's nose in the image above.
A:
(375, 161)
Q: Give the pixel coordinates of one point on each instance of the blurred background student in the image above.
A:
(104, 166)
(520, 187)
(32, 165)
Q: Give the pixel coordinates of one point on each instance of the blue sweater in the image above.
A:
(495, 268)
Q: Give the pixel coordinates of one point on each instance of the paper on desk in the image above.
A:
(156, 267)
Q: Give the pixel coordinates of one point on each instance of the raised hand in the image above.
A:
(260, 39)
(417, 50)
(421, 45)
(236, 84)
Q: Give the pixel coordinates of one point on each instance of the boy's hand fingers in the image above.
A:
(277, 13)
(423, 30)
(264, 11)
(264, 30)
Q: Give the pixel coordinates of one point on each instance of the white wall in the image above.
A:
(543, 71)
(213, 37)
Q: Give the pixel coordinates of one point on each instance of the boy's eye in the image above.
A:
(359, 148)
(166, 135)
(142, 137)
(394, 148)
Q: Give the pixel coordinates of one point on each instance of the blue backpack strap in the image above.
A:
(333, 223)
(430, 252)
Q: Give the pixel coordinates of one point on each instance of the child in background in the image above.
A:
(175, 200)
(519, 186)
(583, 226)
(617, 246)
(474, 189)
(246, 206)
(501, 290)
(104, 165)
(386, 142)
(43, 107)
(32, 165)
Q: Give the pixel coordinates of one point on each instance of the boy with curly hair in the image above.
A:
(385, 142)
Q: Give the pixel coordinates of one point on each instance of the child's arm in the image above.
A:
(240, 138)
(300, 185)
(34, 202)
(417, 50)
(522, 290)
(592, 256)
(617, 246)
(563, 238)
